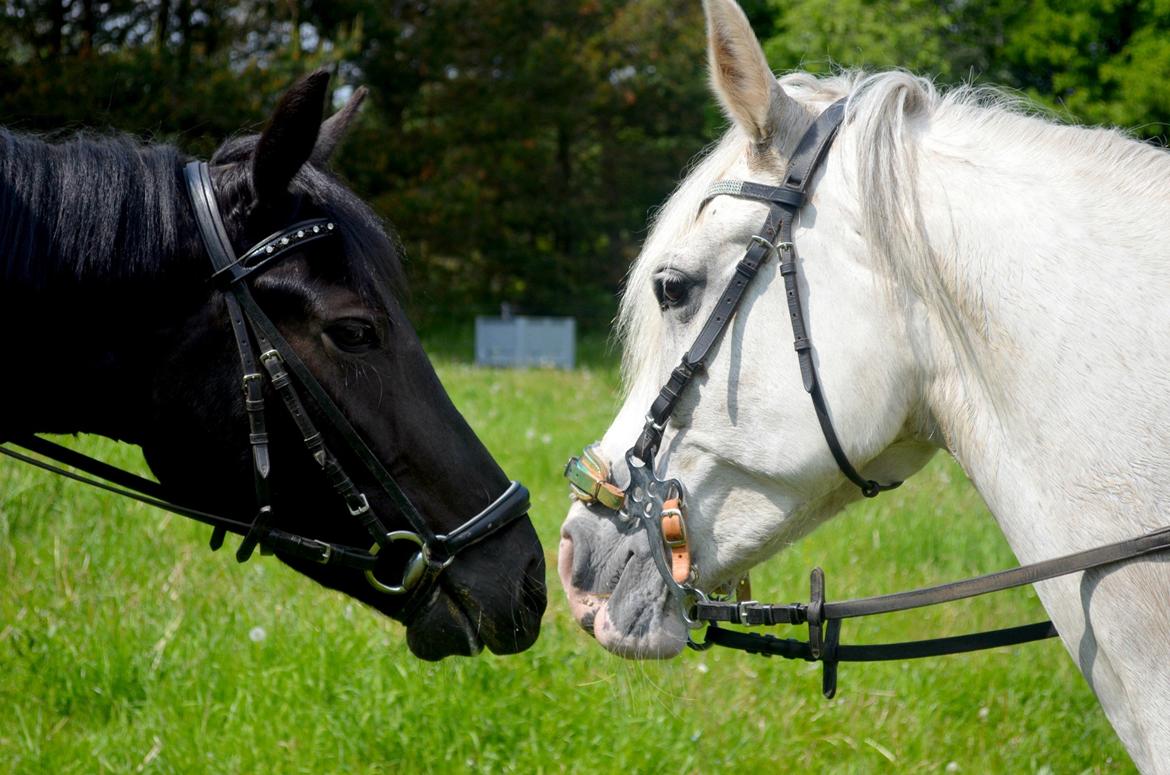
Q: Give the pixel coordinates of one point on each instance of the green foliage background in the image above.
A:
(519, 146)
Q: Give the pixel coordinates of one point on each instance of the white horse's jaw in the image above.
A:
(614, 589)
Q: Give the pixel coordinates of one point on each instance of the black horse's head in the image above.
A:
(336, 302)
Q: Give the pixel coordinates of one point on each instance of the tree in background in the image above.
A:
(1093, 61)
(520, 146)
(194, 70)
(535, 138)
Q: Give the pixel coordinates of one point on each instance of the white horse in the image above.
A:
(975, 279)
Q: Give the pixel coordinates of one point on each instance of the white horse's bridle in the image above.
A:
(659, 506)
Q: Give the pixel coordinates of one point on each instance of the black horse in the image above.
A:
(110, 326)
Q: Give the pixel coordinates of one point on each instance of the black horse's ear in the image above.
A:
(336, 126)
(288, 140)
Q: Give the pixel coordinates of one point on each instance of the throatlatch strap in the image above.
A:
(808, 372)
(219, 250)
(786, 201)
(257, 436)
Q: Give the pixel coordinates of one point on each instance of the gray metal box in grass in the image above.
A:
(520, 340)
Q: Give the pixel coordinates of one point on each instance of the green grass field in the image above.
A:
(126, 646)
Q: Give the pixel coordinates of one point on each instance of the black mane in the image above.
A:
(92, 206)
(107, 207)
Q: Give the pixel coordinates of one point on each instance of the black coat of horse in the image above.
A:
(109, 326)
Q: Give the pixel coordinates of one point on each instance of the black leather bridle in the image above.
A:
(784, 202)
(285, 371)
(648, 499)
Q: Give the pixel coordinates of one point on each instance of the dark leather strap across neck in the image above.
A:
(134, 487)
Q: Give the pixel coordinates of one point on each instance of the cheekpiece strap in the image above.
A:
(219, 247)
(786, 200)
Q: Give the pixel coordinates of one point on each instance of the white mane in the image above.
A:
(888, 117)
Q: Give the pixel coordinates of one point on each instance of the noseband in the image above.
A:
(265, 356)
(659, 506)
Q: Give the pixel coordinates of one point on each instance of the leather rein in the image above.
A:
(266, 357)
(659, 506)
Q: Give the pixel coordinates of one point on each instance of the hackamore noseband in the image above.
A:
(270, 358)
(659, 506)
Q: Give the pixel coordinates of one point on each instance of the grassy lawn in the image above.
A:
(126, 646)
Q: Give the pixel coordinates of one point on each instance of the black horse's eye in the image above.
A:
(353, 334)
(672, 290)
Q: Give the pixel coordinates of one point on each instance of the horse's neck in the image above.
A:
(76, 334)
(73, 367)
(1062, 415)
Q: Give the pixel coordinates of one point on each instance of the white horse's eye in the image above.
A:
(672, 290)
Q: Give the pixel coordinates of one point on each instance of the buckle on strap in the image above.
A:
(363, 508)
(773, 247)
(744, 610)
(815, 613)
(674, 535)
(756, 238)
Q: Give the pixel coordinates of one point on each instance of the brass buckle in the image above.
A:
(682, 526)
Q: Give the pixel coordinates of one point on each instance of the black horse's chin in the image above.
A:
(444, 629)
(460, 620)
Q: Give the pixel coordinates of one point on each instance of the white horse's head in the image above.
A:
(972, 277)
(744, 438)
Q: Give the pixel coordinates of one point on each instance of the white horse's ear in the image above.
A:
(740, 76)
